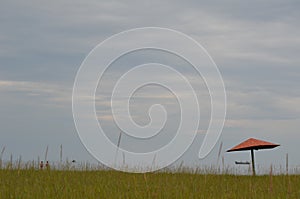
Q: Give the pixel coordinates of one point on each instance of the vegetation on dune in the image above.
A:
(34, 183)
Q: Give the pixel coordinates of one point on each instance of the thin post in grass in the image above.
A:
(287, 164)
(38, 162)
(271, 179)
(223, 164)
(60, 155)
(60, 165)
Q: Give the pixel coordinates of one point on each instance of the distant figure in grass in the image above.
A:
(47, 165)
(41, 165)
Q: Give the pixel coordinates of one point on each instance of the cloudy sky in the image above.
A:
(255, 44)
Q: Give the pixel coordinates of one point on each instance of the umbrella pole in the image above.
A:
(253, 165)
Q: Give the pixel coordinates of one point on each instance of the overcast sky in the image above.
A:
(255, 44)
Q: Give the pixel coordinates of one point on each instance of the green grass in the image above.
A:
(33, 183)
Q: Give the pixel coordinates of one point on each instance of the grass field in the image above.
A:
(34, 183)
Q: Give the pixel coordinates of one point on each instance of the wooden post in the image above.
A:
(253, 165)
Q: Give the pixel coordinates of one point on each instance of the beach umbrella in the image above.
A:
(253, 144)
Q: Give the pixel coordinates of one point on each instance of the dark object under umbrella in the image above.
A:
(253, 144)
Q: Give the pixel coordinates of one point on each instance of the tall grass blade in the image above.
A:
(46, 153)
(118, 146)
(219, 155)
(2, 152)
(1, 155)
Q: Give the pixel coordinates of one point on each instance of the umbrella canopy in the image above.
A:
(253, 144)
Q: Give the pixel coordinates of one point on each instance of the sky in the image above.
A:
(255, 45)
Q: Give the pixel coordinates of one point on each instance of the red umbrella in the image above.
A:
(253, 144)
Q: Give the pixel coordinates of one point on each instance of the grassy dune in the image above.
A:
(33, 183)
